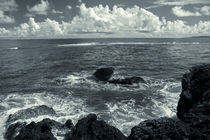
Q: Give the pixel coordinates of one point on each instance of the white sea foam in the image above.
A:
(123, 114)
(125, 43)
(66, 107)
(14, 48)
(85, 80)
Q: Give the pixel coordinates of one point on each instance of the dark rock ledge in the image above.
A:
(193, 122)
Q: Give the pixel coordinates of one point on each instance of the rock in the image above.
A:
(13, 130)
(128, 80)
(36, 131)
(104, 74)
(89, 128)
(30, 113)
(160, 129)
(194, 85)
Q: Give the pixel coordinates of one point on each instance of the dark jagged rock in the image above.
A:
(160, 129)
(104, 74)
(37, 131)
(89, 128)
(30, 113)
(13, 130)
(194, 85)
(128, 80)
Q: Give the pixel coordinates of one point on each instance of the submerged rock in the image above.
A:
(89, 128)
(104, 74)
(30, 113)
(128, 80)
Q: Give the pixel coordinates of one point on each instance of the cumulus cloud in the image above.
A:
(39, 9)
(100, 20)
(205, 10)
(6, 19)
(105, 19)
(180, 12)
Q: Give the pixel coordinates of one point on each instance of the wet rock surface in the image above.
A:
(193, 122)
(104, 74)
(89, 128)
(30, 113)
(38, 131)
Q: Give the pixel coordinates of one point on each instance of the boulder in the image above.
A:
(89, 128)
(160, 129)
(13, 130)
(104, 74)
(30, 113)
(194, 85)
(128, 80)
(37, 131)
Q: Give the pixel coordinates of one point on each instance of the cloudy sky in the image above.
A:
(103, 18)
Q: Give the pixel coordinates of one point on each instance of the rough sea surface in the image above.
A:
(58, 73)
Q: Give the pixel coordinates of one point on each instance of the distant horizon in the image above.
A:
(105, 38)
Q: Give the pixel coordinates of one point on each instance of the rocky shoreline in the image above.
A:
(193, 116)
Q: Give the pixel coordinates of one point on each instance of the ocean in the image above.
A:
(57, 73)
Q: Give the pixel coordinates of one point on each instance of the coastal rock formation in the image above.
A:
(193, 122)
(38, 131)
(89, 128)
(128, 80)
(104, 74)
(193, 110)
(160, 129)
(30, 113)
(194, 85)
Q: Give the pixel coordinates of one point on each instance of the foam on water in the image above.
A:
(123, 114)
(85, 80)
(14, 48)
(125, 43)
(66, 107)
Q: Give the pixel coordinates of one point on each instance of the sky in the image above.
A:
(104, 18)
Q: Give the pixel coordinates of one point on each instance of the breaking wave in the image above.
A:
(125, 43)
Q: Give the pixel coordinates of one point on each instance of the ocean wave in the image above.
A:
(125, 43)
(122, 113)
(13, 48)
(66, 107)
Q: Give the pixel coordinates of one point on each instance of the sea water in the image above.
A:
(58, 73)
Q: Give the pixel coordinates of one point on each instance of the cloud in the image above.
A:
(104, 19)
(180, 2)
(69, 7)
(8, 5)
(6, 19)
(100, 21)
(47, 28)
(205, 10)
(180, 12)
(56, 11)
(39, 9)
